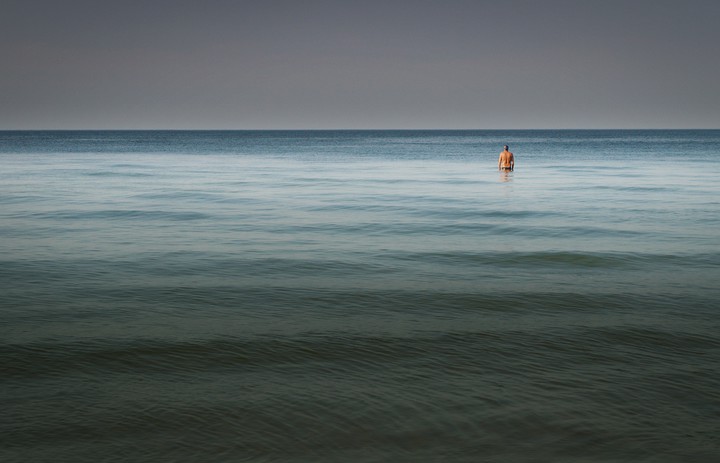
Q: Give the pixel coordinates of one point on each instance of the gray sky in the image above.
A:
(359, 64)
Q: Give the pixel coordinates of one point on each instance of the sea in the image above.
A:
(359, 296)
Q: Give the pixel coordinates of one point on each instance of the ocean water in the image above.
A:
(359, 296)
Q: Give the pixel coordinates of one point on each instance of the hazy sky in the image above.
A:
(359, 64)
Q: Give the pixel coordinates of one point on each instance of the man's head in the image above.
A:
(506, 147)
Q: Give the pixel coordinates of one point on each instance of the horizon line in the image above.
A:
(339, 129)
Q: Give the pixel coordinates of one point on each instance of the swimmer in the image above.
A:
(506, 161)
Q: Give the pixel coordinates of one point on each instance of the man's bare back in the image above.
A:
(506, 160)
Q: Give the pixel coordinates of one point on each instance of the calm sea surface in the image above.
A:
(359, 296)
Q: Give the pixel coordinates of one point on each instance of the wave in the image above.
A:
(123, 214)
(602, 344)
(119, 174)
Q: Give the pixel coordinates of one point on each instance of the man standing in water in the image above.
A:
(506, 161)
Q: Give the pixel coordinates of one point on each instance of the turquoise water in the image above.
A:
(359, 296)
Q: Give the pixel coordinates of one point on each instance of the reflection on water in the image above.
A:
(506, 176)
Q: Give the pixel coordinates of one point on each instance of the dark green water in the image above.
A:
(359, 296)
